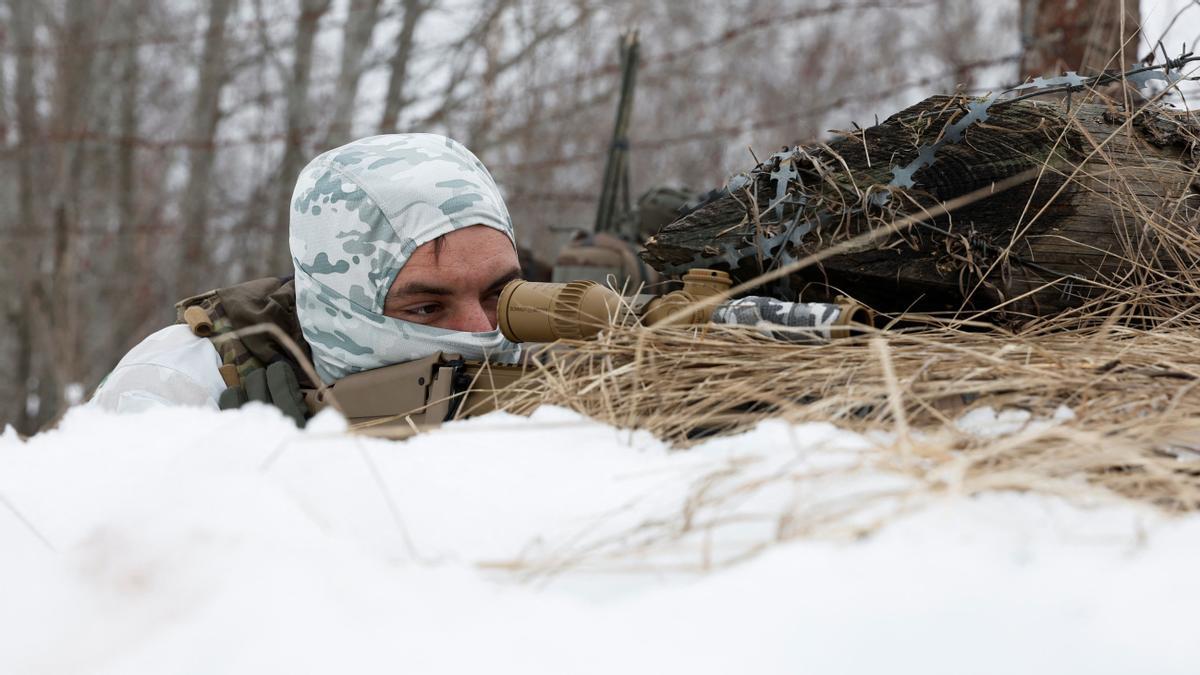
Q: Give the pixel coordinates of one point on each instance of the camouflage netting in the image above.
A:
(1018, 207)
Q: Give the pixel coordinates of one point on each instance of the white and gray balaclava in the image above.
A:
(358, 213)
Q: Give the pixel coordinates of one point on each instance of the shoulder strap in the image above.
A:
(220, 314)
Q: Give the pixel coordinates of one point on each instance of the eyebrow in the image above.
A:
(503, 279)
(421, 288)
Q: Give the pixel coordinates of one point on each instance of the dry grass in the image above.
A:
(1129, 388)
(1134, 433)
(1126, 362)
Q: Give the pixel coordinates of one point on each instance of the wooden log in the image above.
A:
(1105, 188)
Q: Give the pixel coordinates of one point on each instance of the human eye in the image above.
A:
(421, 311)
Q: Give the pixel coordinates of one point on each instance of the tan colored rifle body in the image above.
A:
(397, 401)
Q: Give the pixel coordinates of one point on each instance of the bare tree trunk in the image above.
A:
(1087, 37)
(479, 37)
(75, 83)
(492, 43)
(356, 37)
(413, 10)
(955, 18)
(129, 227)
(1112, 37)
(26, 230)
(206, 115)
(4, 122)
(297, 116)
(127, 188)
(128, 263)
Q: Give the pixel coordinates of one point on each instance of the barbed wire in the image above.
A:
(301, 136)
(517, 198)
(159, 39)
(834, 104)
(144, 143)
(727, 36)
(167, 144)
(744, 126)
(163, 228)
(307, 133)
(100, 232)
(520, 197)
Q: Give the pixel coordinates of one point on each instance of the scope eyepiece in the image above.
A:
(530, 311)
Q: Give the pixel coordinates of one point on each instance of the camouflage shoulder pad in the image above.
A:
(218, 329)
(194, 301)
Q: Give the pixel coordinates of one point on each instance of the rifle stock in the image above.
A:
(395, 401)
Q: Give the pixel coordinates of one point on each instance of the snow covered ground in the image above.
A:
(185, 541)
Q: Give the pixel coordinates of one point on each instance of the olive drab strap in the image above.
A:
(219, 314)
(205, 316)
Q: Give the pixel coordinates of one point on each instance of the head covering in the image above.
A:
(358, 213)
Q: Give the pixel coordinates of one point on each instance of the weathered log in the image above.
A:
(1108, 200)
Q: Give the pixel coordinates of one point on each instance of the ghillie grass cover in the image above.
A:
(1108, 384)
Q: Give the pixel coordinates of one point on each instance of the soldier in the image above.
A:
(400, 245)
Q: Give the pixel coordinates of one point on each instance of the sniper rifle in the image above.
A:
(397, 400)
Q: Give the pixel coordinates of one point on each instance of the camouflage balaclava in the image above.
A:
(358, 213)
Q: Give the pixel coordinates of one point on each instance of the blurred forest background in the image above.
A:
(149, 147)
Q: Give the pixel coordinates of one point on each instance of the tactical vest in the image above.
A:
(220, 314)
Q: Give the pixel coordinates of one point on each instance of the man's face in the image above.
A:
(454, 282)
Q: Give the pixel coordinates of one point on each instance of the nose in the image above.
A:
(472, 318)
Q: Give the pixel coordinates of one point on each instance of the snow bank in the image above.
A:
(184, 541)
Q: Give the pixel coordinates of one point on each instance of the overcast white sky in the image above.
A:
(1156, 14)
(1156, 17)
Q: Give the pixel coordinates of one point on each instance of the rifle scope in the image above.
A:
(544, 312)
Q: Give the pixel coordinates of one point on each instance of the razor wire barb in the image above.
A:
(781, 170)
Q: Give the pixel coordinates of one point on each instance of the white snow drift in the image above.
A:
(186, 541)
